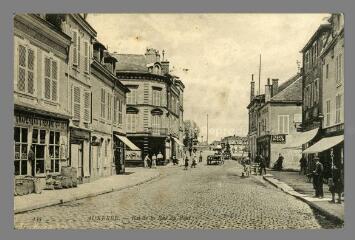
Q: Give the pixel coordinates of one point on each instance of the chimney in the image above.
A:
(268, 91)
(151, 55)
(252, 88)
(275, 86)
(165, 67)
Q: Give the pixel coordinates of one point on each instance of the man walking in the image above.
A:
(262, 165)
(146, 160)
(318, 178)
(160, 158)
(154, 161)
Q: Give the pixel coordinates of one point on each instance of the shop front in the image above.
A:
(263, 148)
(126, 153)
(40, 144)
(80, 153)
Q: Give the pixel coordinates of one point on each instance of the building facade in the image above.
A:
(154, 108)
(108, 115)
(42, 109)
(255, 102)
(279, 117)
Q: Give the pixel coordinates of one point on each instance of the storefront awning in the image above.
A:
(324, 144)
(300, 139)
(178, 141)
(128, 143)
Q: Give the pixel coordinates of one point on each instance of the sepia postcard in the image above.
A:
(178, 121)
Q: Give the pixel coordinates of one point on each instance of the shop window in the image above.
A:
(21, 150)
(39, 144)
(54, 149)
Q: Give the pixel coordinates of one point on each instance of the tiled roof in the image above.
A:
(291, 90)
(130, 62)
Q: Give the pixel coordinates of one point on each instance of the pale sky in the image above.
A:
(221, 52)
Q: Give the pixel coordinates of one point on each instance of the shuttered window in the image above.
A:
(109, 106)
(283, 124)
(79, 50)
(103, 103)
(120, 121)
(26, 69)
(76, 103)
(50, 79)
(338, 107)
(75, 46)
(86, 57)
(87, 109)
(115, 109)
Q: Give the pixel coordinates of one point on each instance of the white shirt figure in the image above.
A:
(146, 161)
(160, 156)
(154, 161)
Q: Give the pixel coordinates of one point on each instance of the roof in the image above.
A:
(130, 62)
(291, 90)
(321, 28)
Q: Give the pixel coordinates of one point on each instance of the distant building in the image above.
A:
(255, 102)
(237, 144)
(154, 111)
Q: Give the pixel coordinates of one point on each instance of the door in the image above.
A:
(77, 158)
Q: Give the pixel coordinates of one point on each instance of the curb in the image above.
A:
(299, 196)
(85, 195)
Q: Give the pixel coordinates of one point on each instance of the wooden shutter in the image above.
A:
(102, 103)
(21, 82)
(87, 96)
(47, 78)
(114, 109)
(54, 80)
(79, 50)
(75, 47)
(86, 56)
(30, 70)
(76, 104)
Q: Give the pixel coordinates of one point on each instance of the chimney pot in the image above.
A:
(275, 86)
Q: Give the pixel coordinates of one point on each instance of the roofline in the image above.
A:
(321, 28)
(81, 21)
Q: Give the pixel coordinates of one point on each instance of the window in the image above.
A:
(109, 106)
(50, 79)
(156, 123)
(283, 123)
(156, 99)
(103, 103)
(39, 144)
(21, 150)
(54, 146)
(87, 108)
(120, 121)
(75, 39)
(327, 113)
(338, 69)
(338, 106)
(106, 147)
(115, 106)
(316, 92)
(132, 122)
(327, 71)
(26, 69)
(86, 57)
(76, 103)
(132, 96)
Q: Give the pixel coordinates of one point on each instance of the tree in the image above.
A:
(192, 131)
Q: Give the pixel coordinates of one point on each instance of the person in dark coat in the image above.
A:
(303, 165)
(318, 178)
(335, 184)
(186, 162)
(278, 165)
(262, 165)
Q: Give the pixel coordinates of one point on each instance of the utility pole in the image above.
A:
(207, 130)
(259, 74)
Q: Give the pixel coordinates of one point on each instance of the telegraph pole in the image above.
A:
(259, 74)
(207, 130)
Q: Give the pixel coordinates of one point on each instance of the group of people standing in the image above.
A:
(191, 156)
(152, 163)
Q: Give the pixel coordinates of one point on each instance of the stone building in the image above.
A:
(42, 109)
(330, 146)
(154, 104)
(278, 120)
(108, 115)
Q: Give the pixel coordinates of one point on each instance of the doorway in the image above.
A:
(77, 159)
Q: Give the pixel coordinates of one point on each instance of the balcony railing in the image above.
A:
(157, 131)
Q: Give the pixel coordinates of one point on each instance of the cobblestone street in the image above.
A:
(208, 197)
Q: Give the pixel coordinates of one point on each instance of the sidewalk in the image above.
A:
(297, 186)
(133, 176)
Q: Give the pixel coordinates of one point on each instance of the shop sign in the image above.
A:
(40, 122)
(279, 138)
(79, 134)
(133, 155)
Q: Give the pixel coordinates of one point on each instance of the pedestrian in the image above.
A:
(154, 161)
(303, 165)
(262, 165)
(174, 160)
(194, 163)
(160, 158)
(146, 160)
(335, 184)
(318, 178)
(200, 157)
(186, 162)
(247, 167)
(278, 164)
